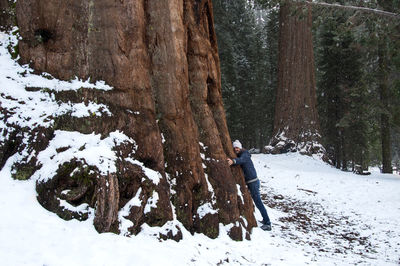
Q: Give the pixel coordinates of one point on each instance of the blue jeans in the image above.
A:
(254, 188)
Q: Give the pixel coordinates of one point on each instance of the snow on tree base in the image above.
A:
(308, 145)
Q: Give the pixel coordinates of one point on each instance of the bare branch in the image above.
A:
(363, 9)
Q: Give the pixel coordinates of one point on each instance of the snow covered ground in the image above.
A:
(320, 215)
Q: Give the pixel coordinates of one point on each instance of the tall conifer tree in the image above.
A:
(247, 73)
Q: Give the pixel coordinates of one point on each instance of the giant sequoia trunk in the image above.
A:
(296, 124)
(161, 58)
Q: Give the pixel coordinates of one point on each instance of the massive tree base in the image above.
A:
(163, 120)
(306, 146)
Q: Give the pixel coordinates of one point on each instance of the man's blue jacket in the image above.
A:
(244, 160)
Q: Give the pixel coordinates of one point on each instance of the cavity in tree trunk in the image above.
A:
(161, 58)
(296, 124)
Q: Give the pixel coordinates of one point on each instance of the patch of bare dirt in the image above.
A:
(307, 223)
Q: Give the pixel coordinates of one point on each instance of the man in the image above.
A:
(253, 183)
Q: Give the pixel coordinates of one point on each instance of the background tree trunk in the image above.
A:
(161, 58)
(385, 119)
(296, 125)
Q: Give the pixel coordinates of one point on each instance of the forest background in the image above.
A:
(356, 54)
(160, 121)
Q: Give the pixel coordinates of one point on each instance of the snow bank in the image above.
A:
(44, 239)
(320, 215)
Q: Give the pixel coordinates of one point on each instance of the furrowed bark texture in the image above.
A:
(296, 124)
(161, 58)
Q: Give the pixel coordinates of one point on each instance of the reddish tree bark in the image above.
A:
(161, 58)
(296, 124)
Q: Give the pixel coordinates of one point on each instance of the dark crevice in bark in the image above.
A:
(161, 58)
